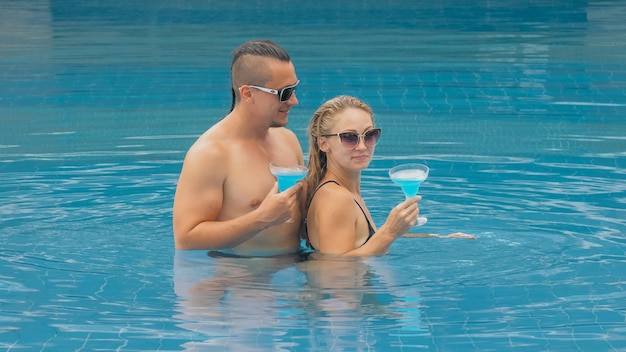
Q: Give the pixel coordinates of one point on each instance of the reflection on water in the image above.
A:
(228, 300)
(340, 303)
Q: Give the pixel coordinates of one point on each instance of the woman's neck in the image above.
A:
(350, 181)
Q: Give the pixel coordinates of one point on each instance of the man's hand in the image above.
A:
(279, 207)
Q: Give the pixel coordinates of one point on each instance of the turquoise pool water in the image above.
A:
(516, 107)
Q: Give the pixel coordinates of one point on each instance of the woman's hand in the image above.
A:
(403, 216)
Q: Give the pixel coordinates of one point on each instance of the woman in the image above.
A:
(342, 137)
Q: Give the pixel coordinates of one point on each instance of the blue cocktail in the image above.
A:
(409, 177)
(287, 175)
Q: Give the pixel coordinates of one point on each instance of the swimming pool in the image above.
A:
(517, 108)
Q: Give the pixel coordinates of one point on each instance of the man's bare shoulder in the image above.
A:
(287, 138)
(283, 132)
(209, 147)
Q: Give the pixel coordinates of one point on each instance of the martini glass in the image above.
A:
(287, 175)
(409, 177)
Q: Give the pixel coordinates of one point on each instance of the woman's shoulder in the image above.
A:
(331, 190)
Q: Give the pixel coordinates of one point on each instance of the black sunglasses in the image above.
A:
(351, 139)
(283, 94)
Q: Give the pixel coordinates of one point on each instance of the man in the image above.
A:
(226, 198)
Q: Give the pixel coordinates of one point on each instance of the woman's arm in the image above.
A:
(452, 235)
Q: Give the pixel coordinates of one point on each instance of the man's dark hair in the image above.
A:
(244, 71)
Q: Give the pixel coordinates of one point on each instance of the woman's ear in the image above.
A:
(322, 144)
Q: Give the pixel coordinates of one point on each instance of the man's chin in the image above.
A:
(276, 124)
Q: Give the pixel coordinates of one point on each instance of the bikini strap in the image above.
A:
(369, 224)
(308, 204)
(306, 210)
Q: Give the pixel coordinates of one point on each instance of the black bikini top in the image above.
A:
(306, 227)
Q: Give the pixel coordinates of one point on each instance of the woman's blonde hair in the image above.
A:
(320, 124)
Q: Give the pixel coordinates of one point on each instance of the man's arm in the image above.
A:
(199, 199)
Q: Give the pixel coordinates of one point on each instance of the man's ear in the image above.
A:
(245, 92)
